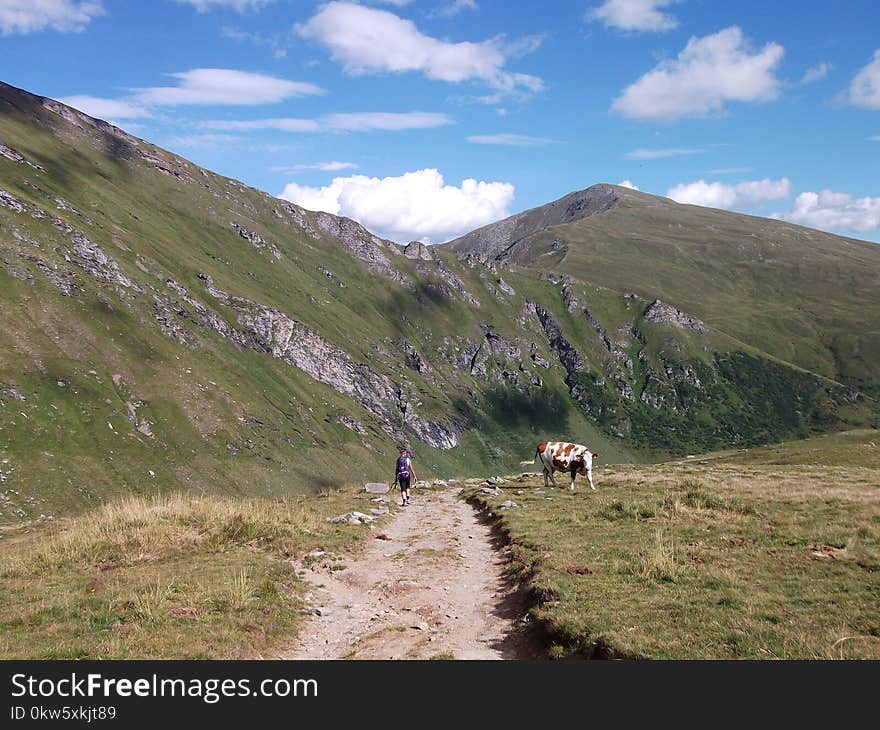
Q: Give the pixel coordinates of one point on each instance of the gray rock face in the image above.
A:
(8, 200)
(376, 488)
(15, 156)
(90, 257)
(659, 312)
(270, 331)
(568, 355)
(362, 245)
(418, 250)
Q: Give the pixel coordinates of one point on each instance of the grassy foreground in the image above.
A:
(175, 577)
(768, 553)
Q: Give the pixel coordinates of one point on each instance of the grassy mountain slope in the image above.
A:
(806, 297)
(167, 328)
(162, 318)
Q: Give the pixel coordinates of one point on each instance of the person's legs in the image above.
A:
(404, 490)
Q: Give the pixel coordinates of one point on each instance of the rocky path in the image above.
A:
(429, 584)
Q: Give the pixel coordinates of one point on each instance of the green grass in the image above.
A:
(770, 553)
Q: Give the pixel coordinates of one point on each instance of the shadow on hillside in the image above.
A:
(541, 409)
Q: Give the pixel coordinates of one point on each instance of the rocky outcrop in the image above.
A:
(92, 259)
(8, 200)
(11, 154)
(568, 355)
(456, 284)
(256, 240)
(361, 244)
(659, 312)
(418, 250)
(268, 330)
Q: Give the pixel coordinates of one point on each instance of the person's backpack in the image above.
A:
(403, 467)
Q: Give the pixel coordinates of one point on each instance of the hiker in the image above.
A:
(403, 475)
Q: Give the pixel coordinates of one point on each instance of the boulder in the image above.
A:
(352, 518)
(376, 488)
(379, 511)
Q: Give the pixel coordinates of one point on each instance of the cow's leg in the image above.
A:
(590, 477)
(545, 477)
(573, 473)
(552, 478)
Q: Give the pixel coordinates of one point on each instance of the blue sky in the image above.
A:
(426, 118)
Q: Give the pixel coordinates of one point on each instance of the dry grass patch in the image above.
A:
(168, 577)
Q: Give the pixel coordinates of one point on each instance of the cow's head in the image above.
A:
(580, 462)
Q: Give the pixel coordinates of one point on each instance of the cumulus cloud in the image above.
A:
(30, 16)
(350, 122)
(730, 197)
(416, 205)
(634, 15)
(655, 154)
(242, 6)
(222, 86)
(368, 41)
(830, 211)
(816, 73)
(105, 108)
(864, 89)
(628, 184)
(708, 73)
(510, 140)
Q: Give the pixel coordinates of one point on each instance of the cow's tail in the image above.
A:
(534, 458)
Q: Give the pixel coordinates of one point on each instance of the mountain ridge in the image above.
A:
(171, 328)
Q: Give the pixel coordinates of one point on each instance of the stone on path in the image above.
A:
(353, 518)
(376, 488)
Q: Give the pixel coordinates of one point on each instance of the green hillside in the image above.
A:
(167, 328)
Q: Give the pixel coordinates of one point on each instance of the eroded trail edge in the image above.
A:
(429, 584)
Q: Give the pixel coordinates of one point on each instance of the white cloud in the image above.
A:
(283, 124)
(730, 197)
(352, 122)
(453, 9)
(29, 16)
(655, 154)
(636, 15)
(242, 6)
(864, 89)
(875, 138)
(511, 140)
(367, 40)
(390, 121)
(220, 86)
(415, 205)
(105, 108)
(816, 73)
(332, 166)
(628, 184)
(830, 211)
(203, 140)
(709, 72)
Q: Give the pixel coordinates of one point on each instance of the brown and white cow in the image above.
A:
(563, 456)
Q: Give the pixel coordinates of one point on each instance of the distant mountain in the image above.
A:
(165, 327)
(806, 297)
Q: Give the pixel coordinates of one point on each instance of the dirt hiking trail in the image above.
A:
(429, 583)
